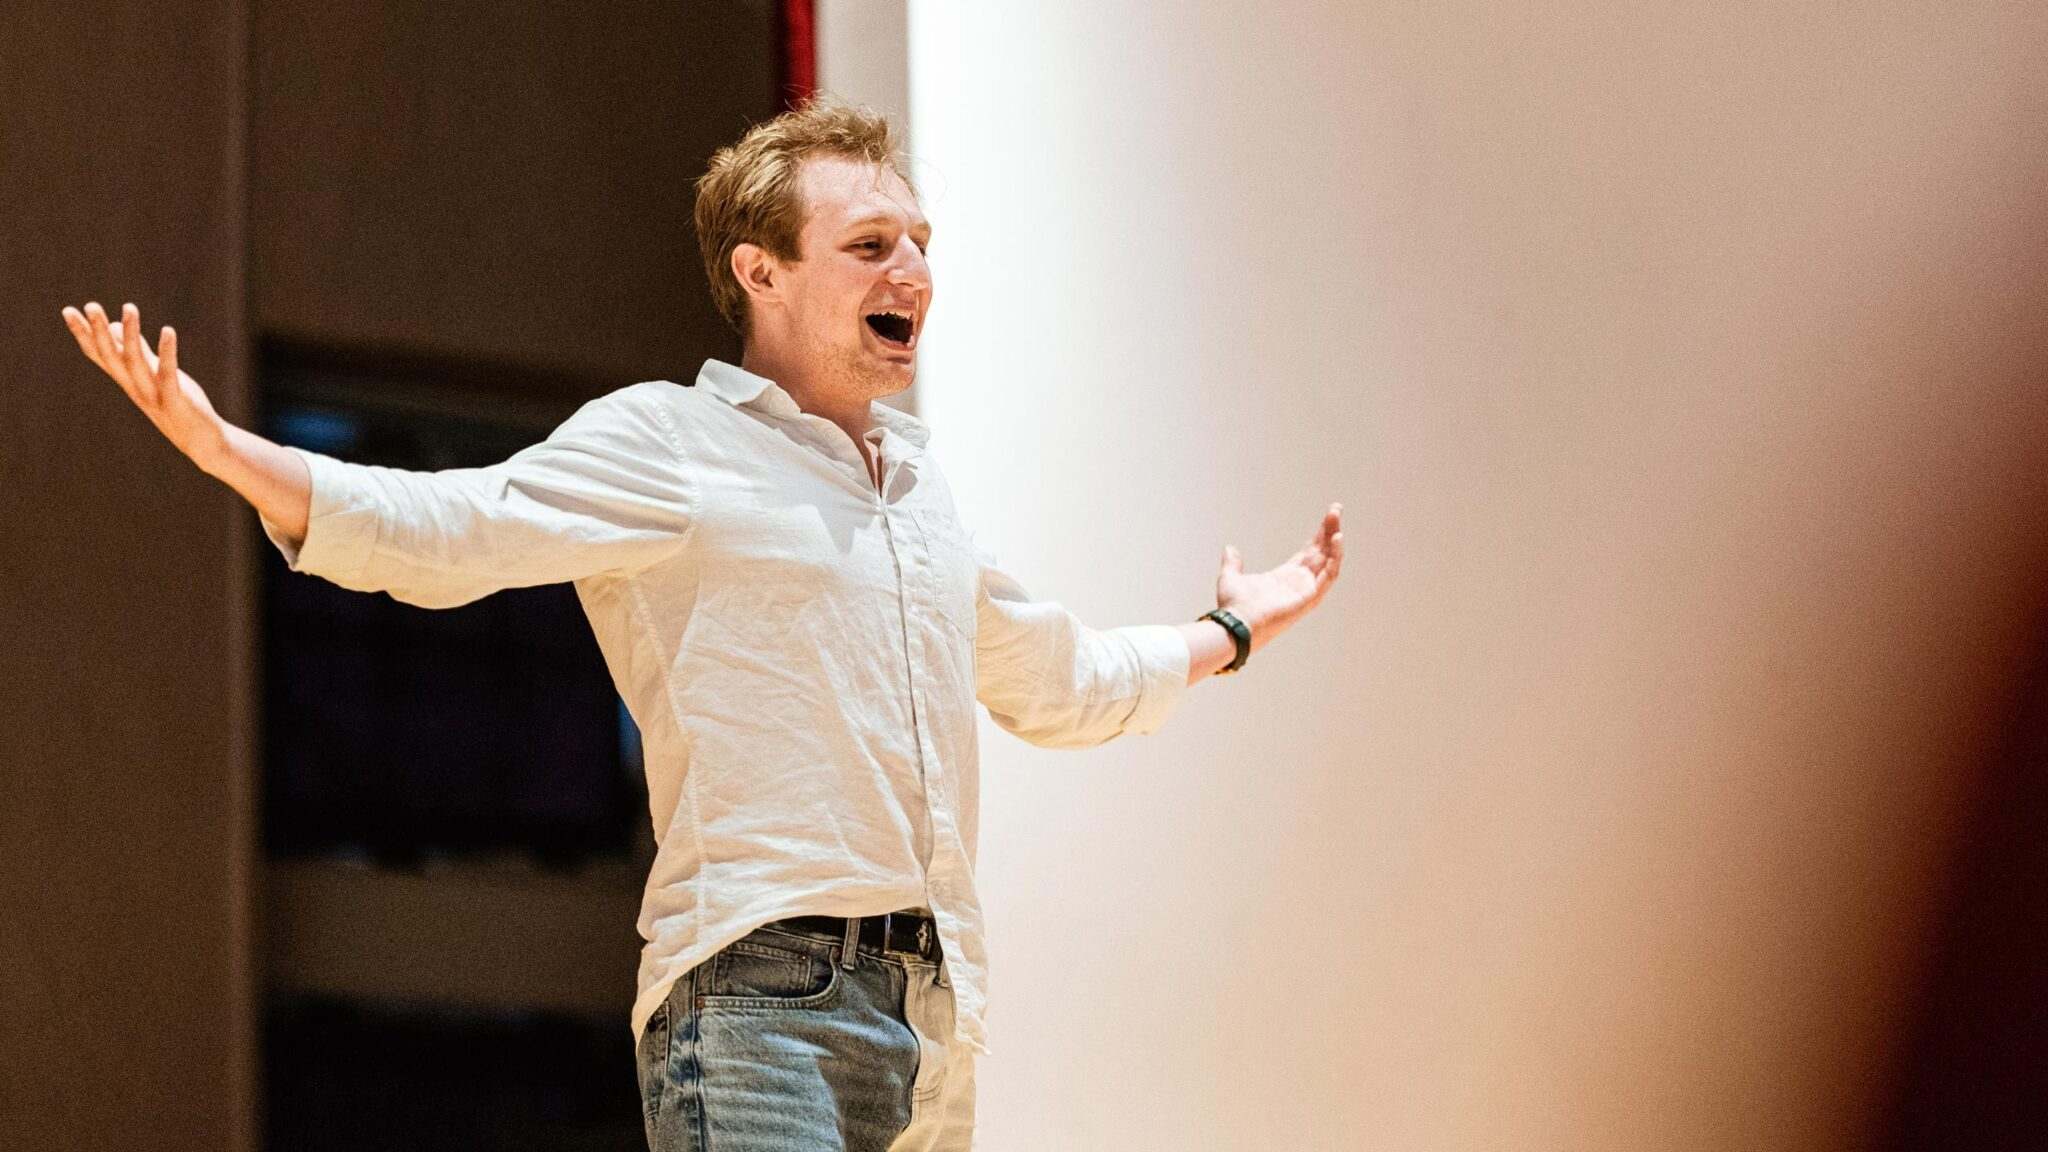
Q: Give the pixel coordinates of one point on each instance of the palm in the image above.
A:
(1275, 598)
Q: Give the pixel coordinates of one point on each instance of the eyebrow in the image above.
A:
(881, 218)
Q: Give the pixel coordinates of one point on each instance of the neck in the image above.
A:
(813, 389)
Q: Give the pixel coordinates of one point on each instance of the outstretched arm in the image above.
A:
(1052, 680)
(1268, 602)
(605, 492)
(269, 476)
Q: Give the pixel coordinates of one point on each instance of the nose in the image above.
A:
(909, 268)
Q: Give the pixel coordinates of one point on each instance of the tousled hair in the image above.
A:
(750, 195)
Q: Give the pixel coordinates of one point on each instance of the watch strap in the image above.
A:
(1238, 633)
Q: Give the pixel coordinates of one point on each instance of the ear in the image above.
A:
(758, 272)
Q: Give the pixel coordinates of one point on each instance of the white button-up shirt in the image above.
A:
(801, 650)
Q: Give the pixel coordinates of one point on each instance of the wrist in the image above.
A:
(1238, 636)
(1257, 623)
(214, 451)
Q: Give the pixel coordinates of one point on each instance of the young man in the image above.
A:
(794, 615)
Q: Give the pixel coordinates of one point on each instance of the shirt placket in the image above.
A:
(948, 882)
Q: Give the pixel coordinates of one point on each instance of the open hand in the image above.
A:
(173, 401)
(1268, 602)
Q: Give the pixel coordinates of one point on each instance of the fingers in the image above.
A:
(81, 331)
(98, 341)
(1319, 539)
(1315, 555)
(102, 339)
(1328, 548)
(121, 350)
(167, 359)
(131, 345)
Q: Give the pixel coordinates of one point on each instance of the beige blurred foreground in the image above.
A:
(1680, 367)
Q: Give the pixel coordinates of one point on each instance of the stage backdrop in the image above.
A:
(1675, 366)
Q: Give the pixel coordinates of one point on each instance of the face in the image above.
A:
(854, 305)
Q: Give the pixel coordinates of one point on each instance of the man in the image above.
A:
(794, 615)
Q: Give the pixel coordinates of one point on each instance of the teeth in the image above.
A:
(902, 322)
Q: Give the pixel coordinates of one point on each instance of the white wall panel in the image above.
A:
(1670, 365)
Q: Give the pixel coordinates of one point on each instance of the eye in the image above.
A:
(873, 244)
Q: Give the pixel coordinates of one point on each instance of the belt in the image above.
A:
(889, 932)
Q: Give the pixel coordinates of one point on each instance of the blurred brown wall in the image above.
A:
(505, 181)
(125, 760)
(498, 192)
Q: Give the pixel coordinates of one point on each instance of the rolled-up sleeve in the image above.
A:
(605, 492)
(1053, 681)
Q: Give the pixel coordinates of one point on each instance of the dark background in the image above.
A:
(283, 865)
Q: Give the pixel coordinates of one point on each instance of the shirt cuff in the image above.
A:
(1163, 662)
(341, 533)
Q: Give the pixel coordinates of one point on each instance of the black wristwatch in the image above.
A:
(1238, 632)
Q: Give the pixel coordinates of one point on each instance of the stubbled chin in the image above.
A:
(896, 375)
(880, 376)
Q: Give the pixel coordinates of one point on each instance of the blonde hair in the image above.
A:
(749, 194)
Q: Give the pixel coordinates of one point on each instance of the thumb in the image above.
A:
(1233, 564)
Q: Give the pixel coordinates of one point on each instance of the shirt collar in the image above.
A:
(741, 388)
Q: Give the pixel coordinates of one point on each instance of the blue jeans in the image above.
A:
(776, 1044)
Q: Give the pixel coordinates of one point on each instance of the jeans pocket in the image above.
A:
(653, 1061)
(751, 973)
(928, 1009)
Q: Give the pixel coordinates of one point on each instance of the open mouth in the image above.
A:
(895, 329)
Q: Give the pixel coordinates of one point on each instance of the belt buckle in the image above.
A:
(924, 934)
